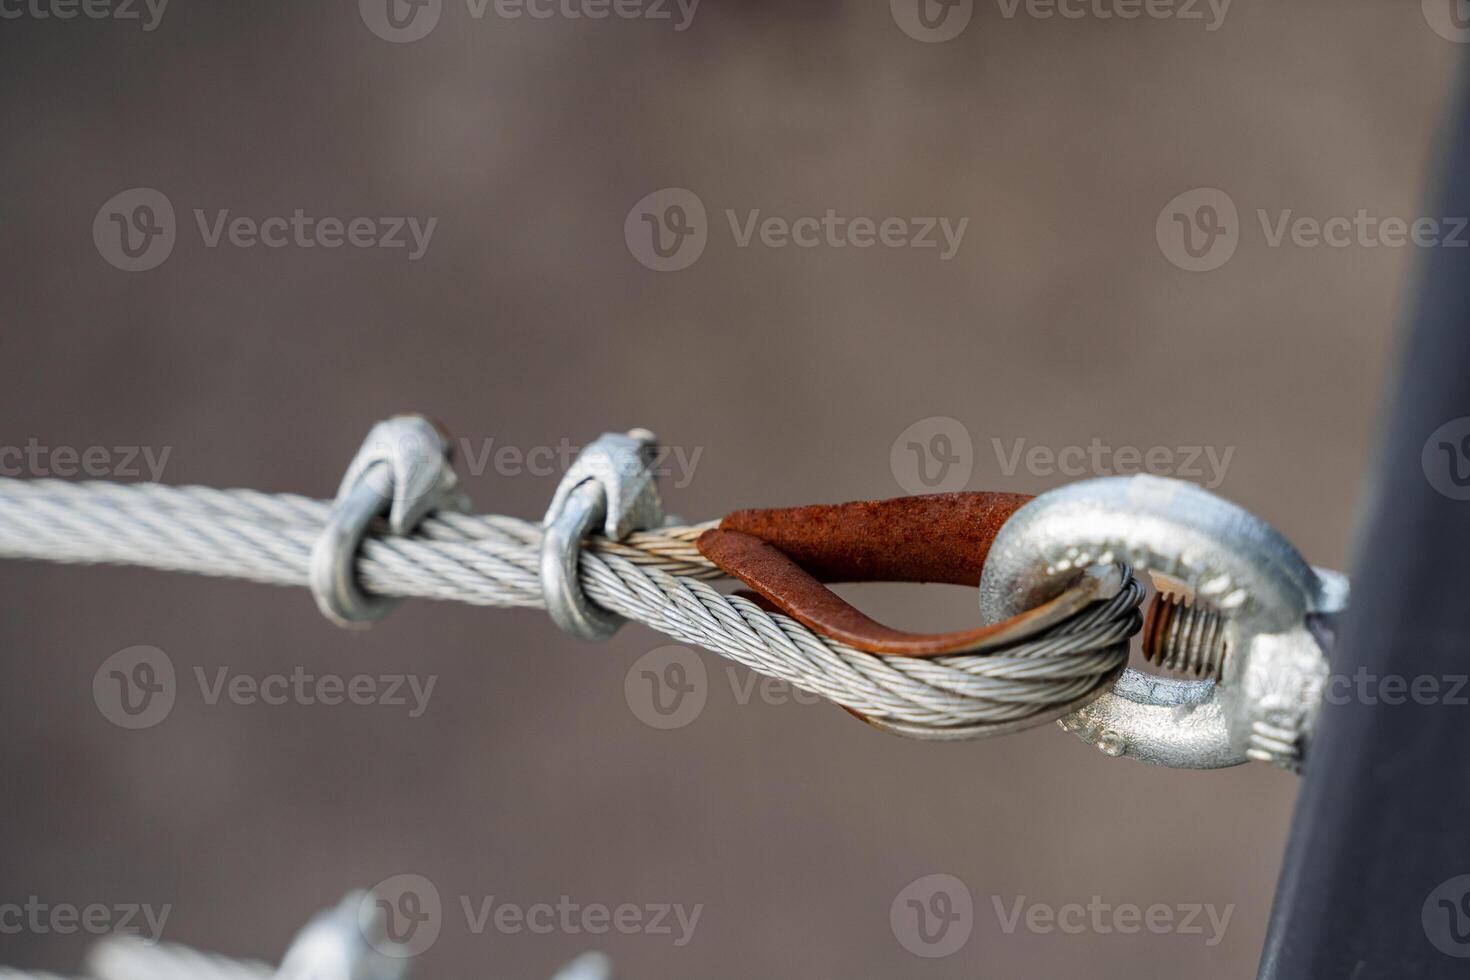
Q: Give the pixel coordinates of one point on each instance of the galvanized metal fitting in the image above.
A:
(403, 471)
(1259, 611)
(612, 483)
(343, 943)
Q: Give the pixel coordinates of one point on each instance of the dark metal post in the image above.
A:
(1371, 888)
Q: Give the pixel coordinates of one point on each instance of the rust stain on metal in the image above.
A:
(785, 555)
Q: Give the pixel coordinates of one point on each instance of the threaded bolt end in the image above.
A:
(1182, 637)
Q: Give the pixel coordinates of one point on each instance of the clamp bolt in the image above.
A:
(1185, 637)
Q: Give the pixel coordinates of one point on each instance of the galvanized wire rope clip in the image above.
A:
(1259, 626)
(612, 483)
(402, 472)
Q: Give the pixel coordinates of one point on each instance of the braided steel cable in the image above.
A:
(657, 577)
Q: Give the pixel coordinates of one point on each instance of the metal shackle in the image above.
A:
(1264, 704)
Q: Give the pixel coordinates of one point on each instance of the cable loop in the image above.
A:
(611, 483)
(403, 472)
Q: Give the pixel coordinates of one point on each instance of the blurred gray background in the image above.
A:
(791, 371)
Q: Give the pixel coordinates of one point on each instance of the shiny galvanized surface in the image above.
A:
(1265, 704)
(610, 483)
(402, 471)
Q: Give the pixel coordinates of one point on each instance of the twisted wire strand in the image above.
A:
(655, 577)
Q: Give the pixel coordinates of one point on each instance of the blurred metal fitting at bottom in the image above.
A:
(345, 942)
